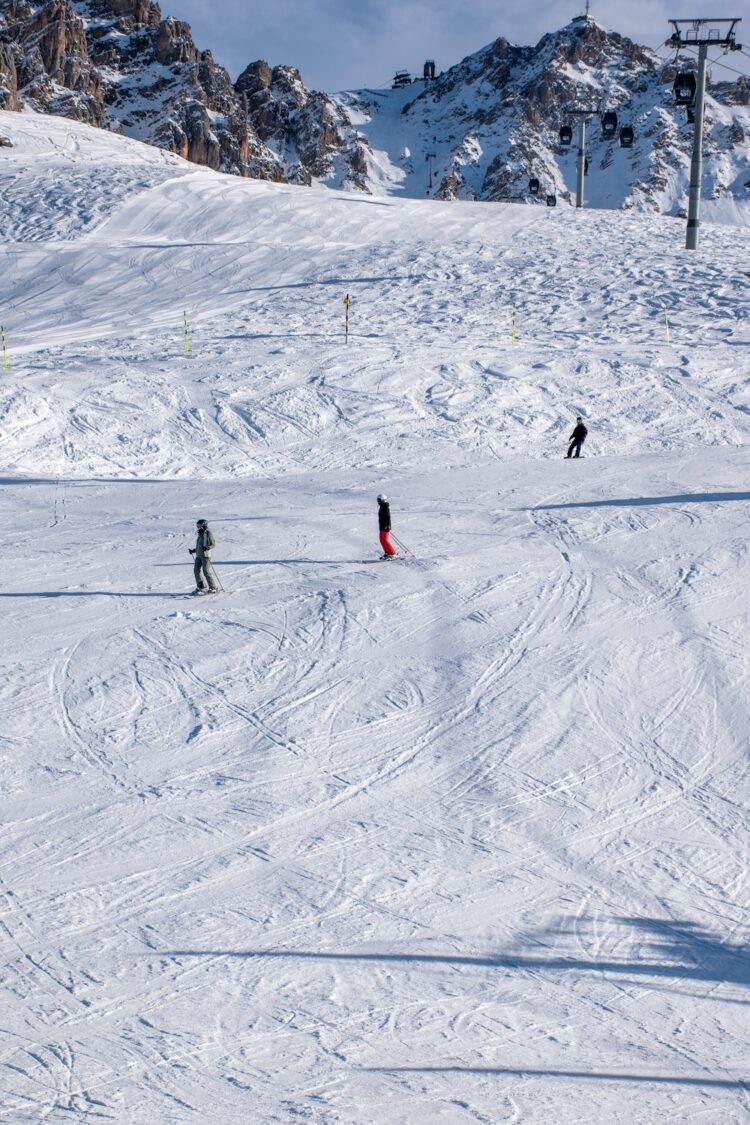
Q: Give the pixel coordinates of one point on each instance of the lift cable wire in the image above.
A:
(715, 62)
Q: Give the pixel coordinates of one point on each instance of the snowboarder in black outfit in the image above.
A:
(577, 438)
(384, 524)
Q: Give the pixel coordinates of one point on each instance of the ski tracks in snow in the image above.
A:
(464, 837)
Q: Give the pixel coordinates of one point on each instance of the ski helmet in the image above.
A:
(382, 498)
(201, 523)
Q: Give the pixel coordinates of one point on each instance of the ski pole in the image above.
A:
(216, 576)
(403, 546)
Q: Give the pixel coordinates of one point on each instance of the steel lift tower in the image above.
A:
(700, 34)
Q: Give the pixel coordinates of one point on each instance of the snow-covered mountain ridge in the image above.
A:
(480, 130)
(492, 123)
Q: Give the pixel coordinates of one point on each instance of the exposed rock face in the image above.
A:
(310, 133)
(46, 60)
(117, 63)
(733, 93)
(160, 88)
(8, 79)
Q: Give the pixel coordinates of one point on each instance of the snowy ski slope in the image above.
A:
(463, 839)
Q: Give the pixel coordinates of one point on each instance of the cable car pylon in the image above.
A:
(700, 34)
(582, 115)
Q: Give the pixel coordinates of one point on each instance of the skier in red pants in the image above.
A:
(384, 523)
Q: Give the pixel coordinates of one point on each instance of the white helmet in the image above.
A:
(382, 498)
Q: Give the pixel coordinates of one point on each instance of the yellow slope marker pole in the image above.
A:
(347, 303)
(666, 328)
(5, 350)
(187, 336)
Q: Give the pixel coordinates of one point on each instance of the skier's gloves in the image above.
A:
(191, 550)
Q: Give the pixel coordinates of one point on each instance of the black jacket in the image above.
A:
(384, 515)
(579, 433)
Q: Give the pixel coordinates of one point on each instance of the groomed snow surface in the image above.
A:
(459, 839)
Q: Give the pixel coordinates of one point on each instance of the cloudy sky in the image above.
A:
(345, 44)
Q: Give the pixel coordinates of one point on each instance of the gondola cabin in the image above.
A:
(552, 201)
(533, 186)
(684, 88)
(609, 124)
(566, 135)
(627, 136)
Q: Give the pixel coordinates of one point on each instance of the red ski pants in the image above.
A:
(385, 543)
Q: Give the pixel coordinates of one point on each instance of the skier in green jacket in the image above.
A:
(202, 551)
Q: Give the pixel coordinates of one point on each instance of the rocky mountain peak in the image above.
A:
(584, 41)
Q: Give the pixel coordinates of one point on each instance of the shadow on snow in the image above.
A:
(584, 1075)
(276, 562)
(96, 594)
(675, 950)
(644, 501)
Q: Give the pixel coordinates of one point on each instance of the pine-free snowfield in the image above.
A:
(457, 840)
